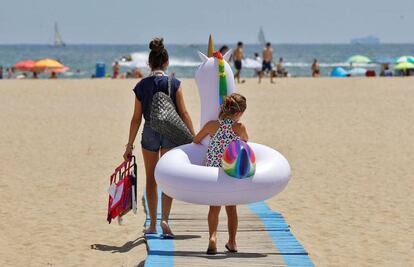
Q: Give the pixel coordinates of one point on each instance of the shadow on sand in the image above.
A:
(202, 254)
(122, 249)
(177, 237)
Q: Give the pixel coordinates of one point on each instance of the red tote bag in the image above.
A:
(122, 190)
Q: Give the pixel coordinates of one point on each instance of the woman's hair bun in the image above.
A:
(157, 44)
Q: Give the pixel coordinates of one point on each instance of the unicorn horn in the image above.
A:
(211, 49)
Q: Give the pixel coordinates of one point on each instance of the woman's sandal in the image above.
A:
(166, 232)
(167, 236)
(211, 251)
(230, 250)
(148, 232)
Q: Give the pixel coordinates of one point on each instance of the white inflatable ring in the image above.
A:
(181, 174)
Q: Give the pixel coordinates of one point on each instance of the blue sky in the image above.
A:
(190, 21)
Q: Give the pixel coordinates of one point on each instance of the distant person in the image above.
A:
(10, 73)
(137, 74)
(116, 69)
(1, 72)
(315, 68)
(238, 56)
(53, 75)
(223, 50)
(385, 71)
(34, 76)
(126, 75)
(280, 68)
(267, 62)
(258, 59)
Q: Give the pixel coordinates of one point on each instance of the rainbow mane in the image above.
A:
(222, 77)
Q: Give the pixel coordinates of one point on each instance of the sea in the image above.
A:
(82, 59)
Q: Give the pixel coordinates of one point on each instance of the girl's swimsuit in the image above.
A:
(221, 139)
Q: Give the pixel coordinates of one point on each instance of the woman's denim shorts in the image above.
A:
(153, 141)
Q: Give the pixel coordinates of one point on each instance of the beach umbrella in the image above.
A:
(57, 71)
(357, 71)
(404, 66)
(47, 63)
(408, 59)
(25, 65)
(339, 72)
(359, 59)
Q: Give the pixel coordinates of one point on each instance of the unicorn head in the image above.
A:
(214, 79)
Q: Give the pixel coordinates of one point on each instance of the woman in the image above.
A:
(315, 68)
(153, 144)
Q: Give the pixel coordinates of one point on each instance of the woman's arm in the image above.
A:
(241, 131)
(210, 128)
(133, 129)
(182, 110)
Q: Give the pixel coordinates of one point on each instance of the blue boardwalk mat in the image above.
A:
(161, 251)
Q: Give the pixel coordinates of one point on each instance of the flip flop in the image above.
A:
(211, 251)
(150, 232)
(230, 250)
(167, 236)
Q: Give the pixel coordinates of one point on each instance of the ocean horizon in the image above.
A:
(81, 58)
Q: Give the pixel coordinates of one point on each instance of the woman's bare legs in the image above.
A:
(213, 220)
(232, 223)
(150, 160)
(166, 202)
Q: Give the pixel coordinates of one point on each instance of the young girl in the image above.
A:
(222, 132)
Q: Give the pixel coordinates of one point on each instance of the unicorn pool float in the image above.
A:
(181, 173)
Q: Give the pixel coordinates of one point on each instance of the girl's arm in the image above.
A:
(133, 129)
(241, 131)
(182, 110)
(209, 128)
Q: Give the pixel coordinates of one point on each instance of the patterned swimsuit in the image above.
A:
(221, 139)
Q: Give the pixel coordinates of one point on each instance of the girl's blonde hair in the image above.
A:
(231, 105)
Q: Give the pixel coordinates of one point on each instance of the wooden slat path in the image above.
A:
(263, 239)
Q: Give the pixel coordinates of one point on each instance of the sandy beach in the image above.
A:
(350, 143)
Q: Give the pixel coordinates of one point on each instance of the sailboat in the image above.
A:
(261, 37)
(58, 42)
